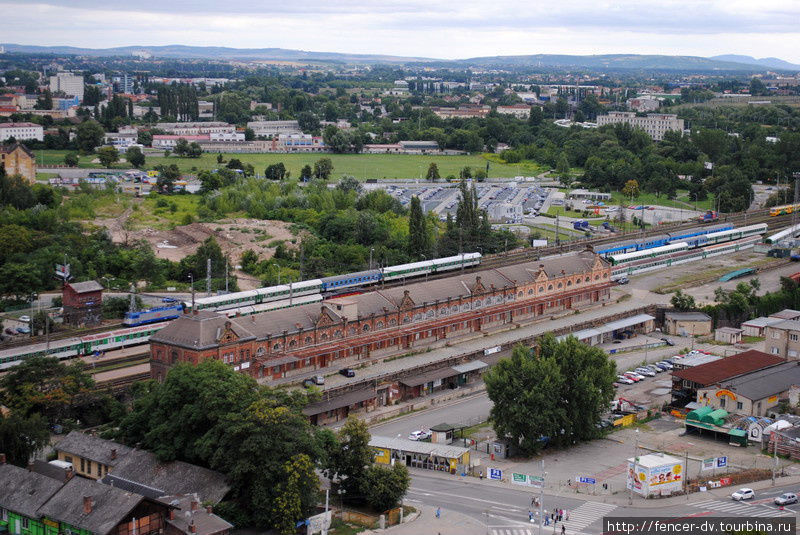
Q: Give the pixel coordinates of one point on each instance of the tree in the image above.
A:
(41, 322)
(135, 157)
(144, 138)
(631, 189)
(554, 395)
(323, 168)
(181, 147)
(349, 184)
(296, 494)
(433, 172)
(562, 170)
(275, 171)
(22, 437)
(71, 159)
(306, 173)
(351, 456)
(465, 173)
(249, 134)
(757, 87)
(194, 150)
(167, 176)
(88, 135)
(536, 117)
(45, 101)
(418, 237)
(108, 156)
(682, 301)
(383, 487)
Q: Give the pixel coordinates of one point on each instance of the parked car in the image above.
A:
(25, 319)
(644, 370)
(347, 372)
(668, 341)
(23, 330)
(635, 377)
(10, 331)
(316, 380)
(635, 374)
(664, 365)
(623, 280)
(743, 494)
(786, 498)
(169, 300)
(625, 380)
(655, 368)
(420, 434)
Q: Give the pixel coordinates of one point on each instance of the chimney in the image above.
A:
(194, 505)
(209, 509)
(70, 474)
(2, 458)
(30, 467)
(87, 505)
(192, 528)
(113, 453)
(171, 513)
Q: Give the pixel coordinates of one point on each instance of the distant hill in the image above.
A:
(212, 52)
(772, 63)
(596, 62)
(617, 61)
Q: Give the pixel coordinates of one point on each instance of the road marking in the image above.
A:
(586, 514)
(742, 508)
(451, 495)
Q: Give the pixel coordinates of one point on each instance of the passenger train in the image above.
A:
(80, 346)
(784, 209)
(688, 235)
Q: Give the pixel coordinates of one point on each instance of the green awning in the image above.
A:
(697, 414)
(716, 417)
(738, 432)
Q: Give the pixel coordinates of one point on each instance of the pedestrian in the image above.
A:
(530, 515)
(560, 515)
(438, 512)
(563, 529)
(567, 517)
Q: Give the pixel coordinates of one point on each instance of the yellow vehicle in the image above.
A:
(785, 209)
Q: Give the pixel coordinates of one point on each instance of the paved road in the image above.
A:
(466, 411)
(504, 509)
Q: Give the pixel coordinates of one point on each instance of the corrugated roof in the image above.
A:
(428, 377)
(419, 447)
(731, 330)
(727, 368)
(470, 366)
(345, 400)
(767, 382)
(786, 314)
(88, 286)
(609, 327)
(787, 325)
(761, 322)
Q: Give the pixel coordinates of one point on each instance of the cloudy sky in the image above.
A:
(443, 29)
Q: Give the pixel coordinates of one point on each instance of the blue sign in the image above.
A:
(589, 480)
(495, 473)
(722, 462)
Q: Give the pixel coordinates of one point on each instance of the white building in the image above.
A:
(274, 128)
(520, 111)
(643, 104)
(67, 83)
(196, 129)
(655, 474)
(21, 131)
(655, 124)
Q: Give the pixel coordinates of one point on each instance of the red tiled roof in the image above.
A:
(728, 368)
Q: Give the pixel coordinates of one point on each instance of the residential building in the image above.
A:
(783, 339)
(758, 326)
(168, 141)
(644, 103)
(590, 195)
(687, 323)
(123, 83)
(786, 314)
(18, 159)
(462, 112)
(520, 111)
(686, 383)
(186, 515)
(382, 323)
(754, 393)
(404, 147)
(82, 302)
(274, 128)
(67, 83)
(195, 129)
(205, 109)
(655, 124)
(138, 470)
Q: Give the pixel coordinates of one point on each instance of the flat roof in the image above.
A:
(427, 377)
(609, 327)
(345, 400)
(698, 360)
(762, 322)
(688, 316)
(732, 330)
(653, 460)
(415, 446)
(470, 366)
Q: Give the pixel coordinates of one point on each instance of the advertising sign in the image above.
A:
(495, 473)
(722, 462)
(661, 475)
(536, 481)
(519, 479)
(709, 464)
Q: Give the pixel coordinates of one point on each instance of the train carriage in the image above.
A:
(647, 253)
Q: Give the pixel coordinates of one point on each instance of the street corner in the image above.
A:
(431, 520)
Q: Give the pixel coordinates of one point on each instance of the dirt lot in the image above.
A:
(233, 235)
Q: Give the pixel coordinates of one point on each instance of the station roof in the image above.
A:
(414, 446)
(345, 400)
(609, 327)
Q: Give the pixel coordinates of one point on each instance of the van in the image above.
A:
(61, 464)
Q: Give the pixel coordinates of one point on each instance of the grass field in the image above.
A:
(361, 166)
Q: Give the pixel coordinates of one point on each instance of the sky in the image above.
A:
(447, 29)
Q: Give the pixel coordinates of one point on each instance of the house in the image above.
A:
(187, 516)
(17, 159)
(728, 335)
(138, 470)
(21, 495)
(21, 131)
(687, 323)
(758, 326)
(786, 314)
(753, 393)
(82, 302)
(783, 339)
(688, 382)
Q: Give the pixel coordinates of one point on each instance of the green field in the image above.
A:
(361, 166)
(682, 200)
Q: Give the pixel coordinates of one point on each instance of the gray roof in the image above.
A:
(200, 330)
(92, 448)
(50, 470)
(204, 523)
(175, 477)
(25, 492)
(687, 316)
(110, 505)
(761, 322)
(788, 325)
(731, 330)
(470, 366)
(766, 382)
(88, 286)
(427, 377)
(345, 400)
(786, 314)
(414, 446)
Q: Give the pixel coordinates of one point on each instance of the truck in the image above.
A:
(580, 225)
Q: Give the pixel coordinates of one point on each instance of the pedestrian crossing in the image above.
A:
(585, 514)
(742, 508)
(510, 530)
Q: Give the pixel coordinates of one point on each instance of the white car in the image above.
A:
(635, 374)
(612, 209)
(647, 372)
(743, 494)
(25, 319)
(624, 380)
(420, 434)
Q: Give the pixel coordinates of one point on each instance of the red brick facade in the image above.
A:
(336, 340)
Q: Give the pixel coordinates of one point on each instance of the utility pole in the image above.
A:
(226, 274)
(541, 498)
(132, 305)
(558, 242)
(208, 276)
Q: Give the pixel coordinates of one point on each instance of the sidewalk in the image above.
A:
(426, 523)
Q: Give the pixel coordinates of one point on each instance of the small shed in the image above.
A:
(787, 314)
(728, 335)
(445, 433)
(82, 302)
(758, 326)
(687, 323)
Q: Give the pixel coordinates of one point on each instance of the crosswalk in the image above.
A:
(742, 508)
(579, 518)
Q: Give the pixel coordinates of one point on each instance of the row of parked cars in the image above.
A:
(642, 372)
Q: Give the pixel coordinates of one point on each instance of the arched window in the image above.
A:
(587, 279)
(443, 311)
(417, 316)
(307, 340)
(352, 330)
(560, 285)
(541, 289)
(260, 351)
(392, 322)
(379, 325)
(549, 286)
(530, 291)
(173, 357)
(454, 309)
(337, 333)
(292, 343)
(520, 294)
(429, 314)
(605, 275)
(323, 337)
(365, 328)
(478, 303)
(276, 347)
(406, 320)
(597, 277)
(569, 283)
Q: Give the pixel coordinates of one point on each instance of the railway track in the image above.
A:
(60, 335)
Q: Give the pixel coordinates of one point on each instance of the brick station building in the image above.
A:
(384, 322)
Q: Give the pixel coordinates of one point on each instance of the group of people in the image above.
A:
(554, 517)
